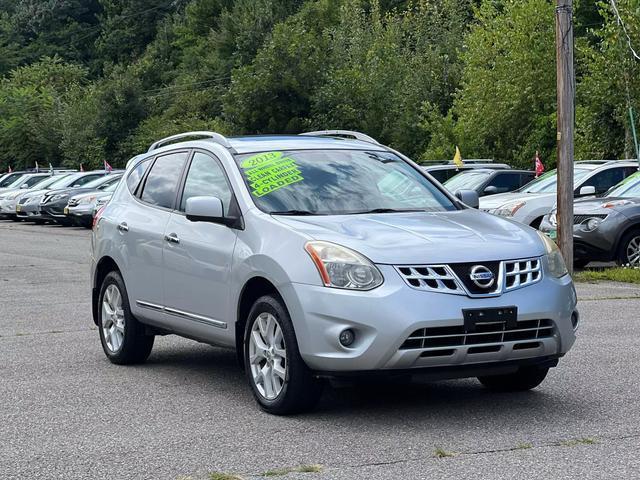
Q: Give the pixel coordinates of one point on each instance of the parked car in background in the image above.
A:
(532, 202)
(444, 172)
(8, 178)
(9, 199)
(28, 207)
(605, 228)
(81, 207)
(25, 181)
(489, 182)
(52, 206)
(319, 257)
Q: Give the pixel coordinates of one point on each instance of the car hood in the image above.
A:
(69, 191)
(419, 238)
(494, 201)
(597, 205)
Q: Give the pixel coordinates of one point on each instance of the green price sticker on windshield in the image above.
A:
(270, 171)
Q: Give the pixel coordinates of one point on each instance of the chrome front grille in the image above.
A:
(522, 273)
(488, 337)
(578, 219)
(431, 277)
(455, 278)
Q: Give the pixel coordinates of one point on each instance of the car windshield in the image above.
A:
(469, 180)
(50, 181)
(338, 182)
(110, 188)
(547, 183)
(10, 179)
(629, 187)
(97, 182)
(65, 181)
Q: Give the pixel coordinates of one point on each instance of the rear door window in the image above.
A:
(505, 182)
(161, 186)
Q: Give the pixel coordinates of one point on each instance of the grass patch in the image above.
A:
(442, 453)
(524, 446)
(222, 476)
(579, 441)
(617, 274)
(284, 471)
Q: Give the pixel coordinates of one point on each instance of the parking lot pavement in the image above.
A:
(68, 413)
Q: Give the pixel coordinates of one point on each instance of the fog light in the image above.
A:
(347, 337)
(575, 320)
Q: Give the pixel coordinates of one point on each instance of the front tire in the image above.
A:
(280, 380)
(629, 250)
(526, 378)
(123, 338)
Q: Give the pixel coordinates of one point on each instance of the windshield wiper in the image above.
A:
(294, 212)
(388, 210)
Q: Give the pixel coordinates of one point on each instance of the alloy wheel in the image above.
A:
(113, 318)
(633, 251)
(267, 356)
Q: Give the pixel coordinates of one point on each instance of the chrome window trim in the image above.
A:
(182, 314)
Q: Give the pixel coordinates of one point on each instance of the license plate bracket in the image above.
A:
(475, 316)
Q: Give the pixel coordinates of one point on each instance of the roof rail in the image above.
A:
(342, 133)
(216, 137)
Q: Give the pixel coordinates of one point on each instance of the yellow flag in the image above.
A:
(457, 158)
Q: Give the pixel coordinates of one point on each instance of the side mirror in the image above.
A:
(491, 190)
(468, 197)
(587, 190)
(207, 209)
(24, 185)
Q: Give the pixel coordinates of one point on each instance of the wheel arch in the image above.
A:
(253, 289)
(105, 265)
(631, 226)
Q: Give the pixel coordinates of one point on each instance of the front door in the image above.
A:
(197, 259)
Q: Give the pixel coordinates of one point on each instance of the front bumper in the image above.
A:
(384, 318)
(8, 208)
(29, 211)
(82, 213)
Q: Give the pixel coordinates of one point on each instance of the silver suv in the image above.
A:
(317, 256)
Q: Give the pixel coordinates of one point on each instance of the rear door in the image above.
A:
(142, 223)
(197, 258)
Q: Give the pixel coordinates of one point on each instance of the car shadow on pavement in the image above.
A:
(216, 370)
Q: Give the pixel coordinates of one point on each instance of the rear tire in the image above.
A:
(629, 249)
(281, 382)
(526, 378)
(123, 338)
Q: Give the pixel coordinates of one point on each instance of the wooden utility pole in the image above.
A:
(565, 87)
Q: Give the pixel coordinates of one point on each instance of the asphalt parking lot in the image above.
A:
(67, 413)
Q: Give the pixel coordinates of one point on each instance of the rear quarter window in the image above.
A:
(133, 180)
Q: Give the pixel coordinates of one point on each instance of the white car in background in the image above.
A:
(532, 202)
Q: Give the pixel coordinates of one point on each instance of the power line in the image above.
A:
(624, 28)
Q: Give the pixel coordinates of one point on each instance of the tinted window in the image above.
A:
(505, 182)
(133, 180)
(161, 185)
(9, 179)
(33, 181)
(206, 178)
(86, 179)
(602, 181)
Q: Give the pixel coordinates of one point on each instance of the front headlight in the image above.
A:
(341, 267)
(590, 224)
(557, 267)
(509, 209)
(89, 199)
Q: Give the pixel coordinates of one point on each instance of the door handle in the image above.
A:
(123, 227)
(172, 238)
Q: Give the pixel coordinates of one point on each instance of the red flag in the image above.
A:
(107, 168)
(81, 169)
(539, 165)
